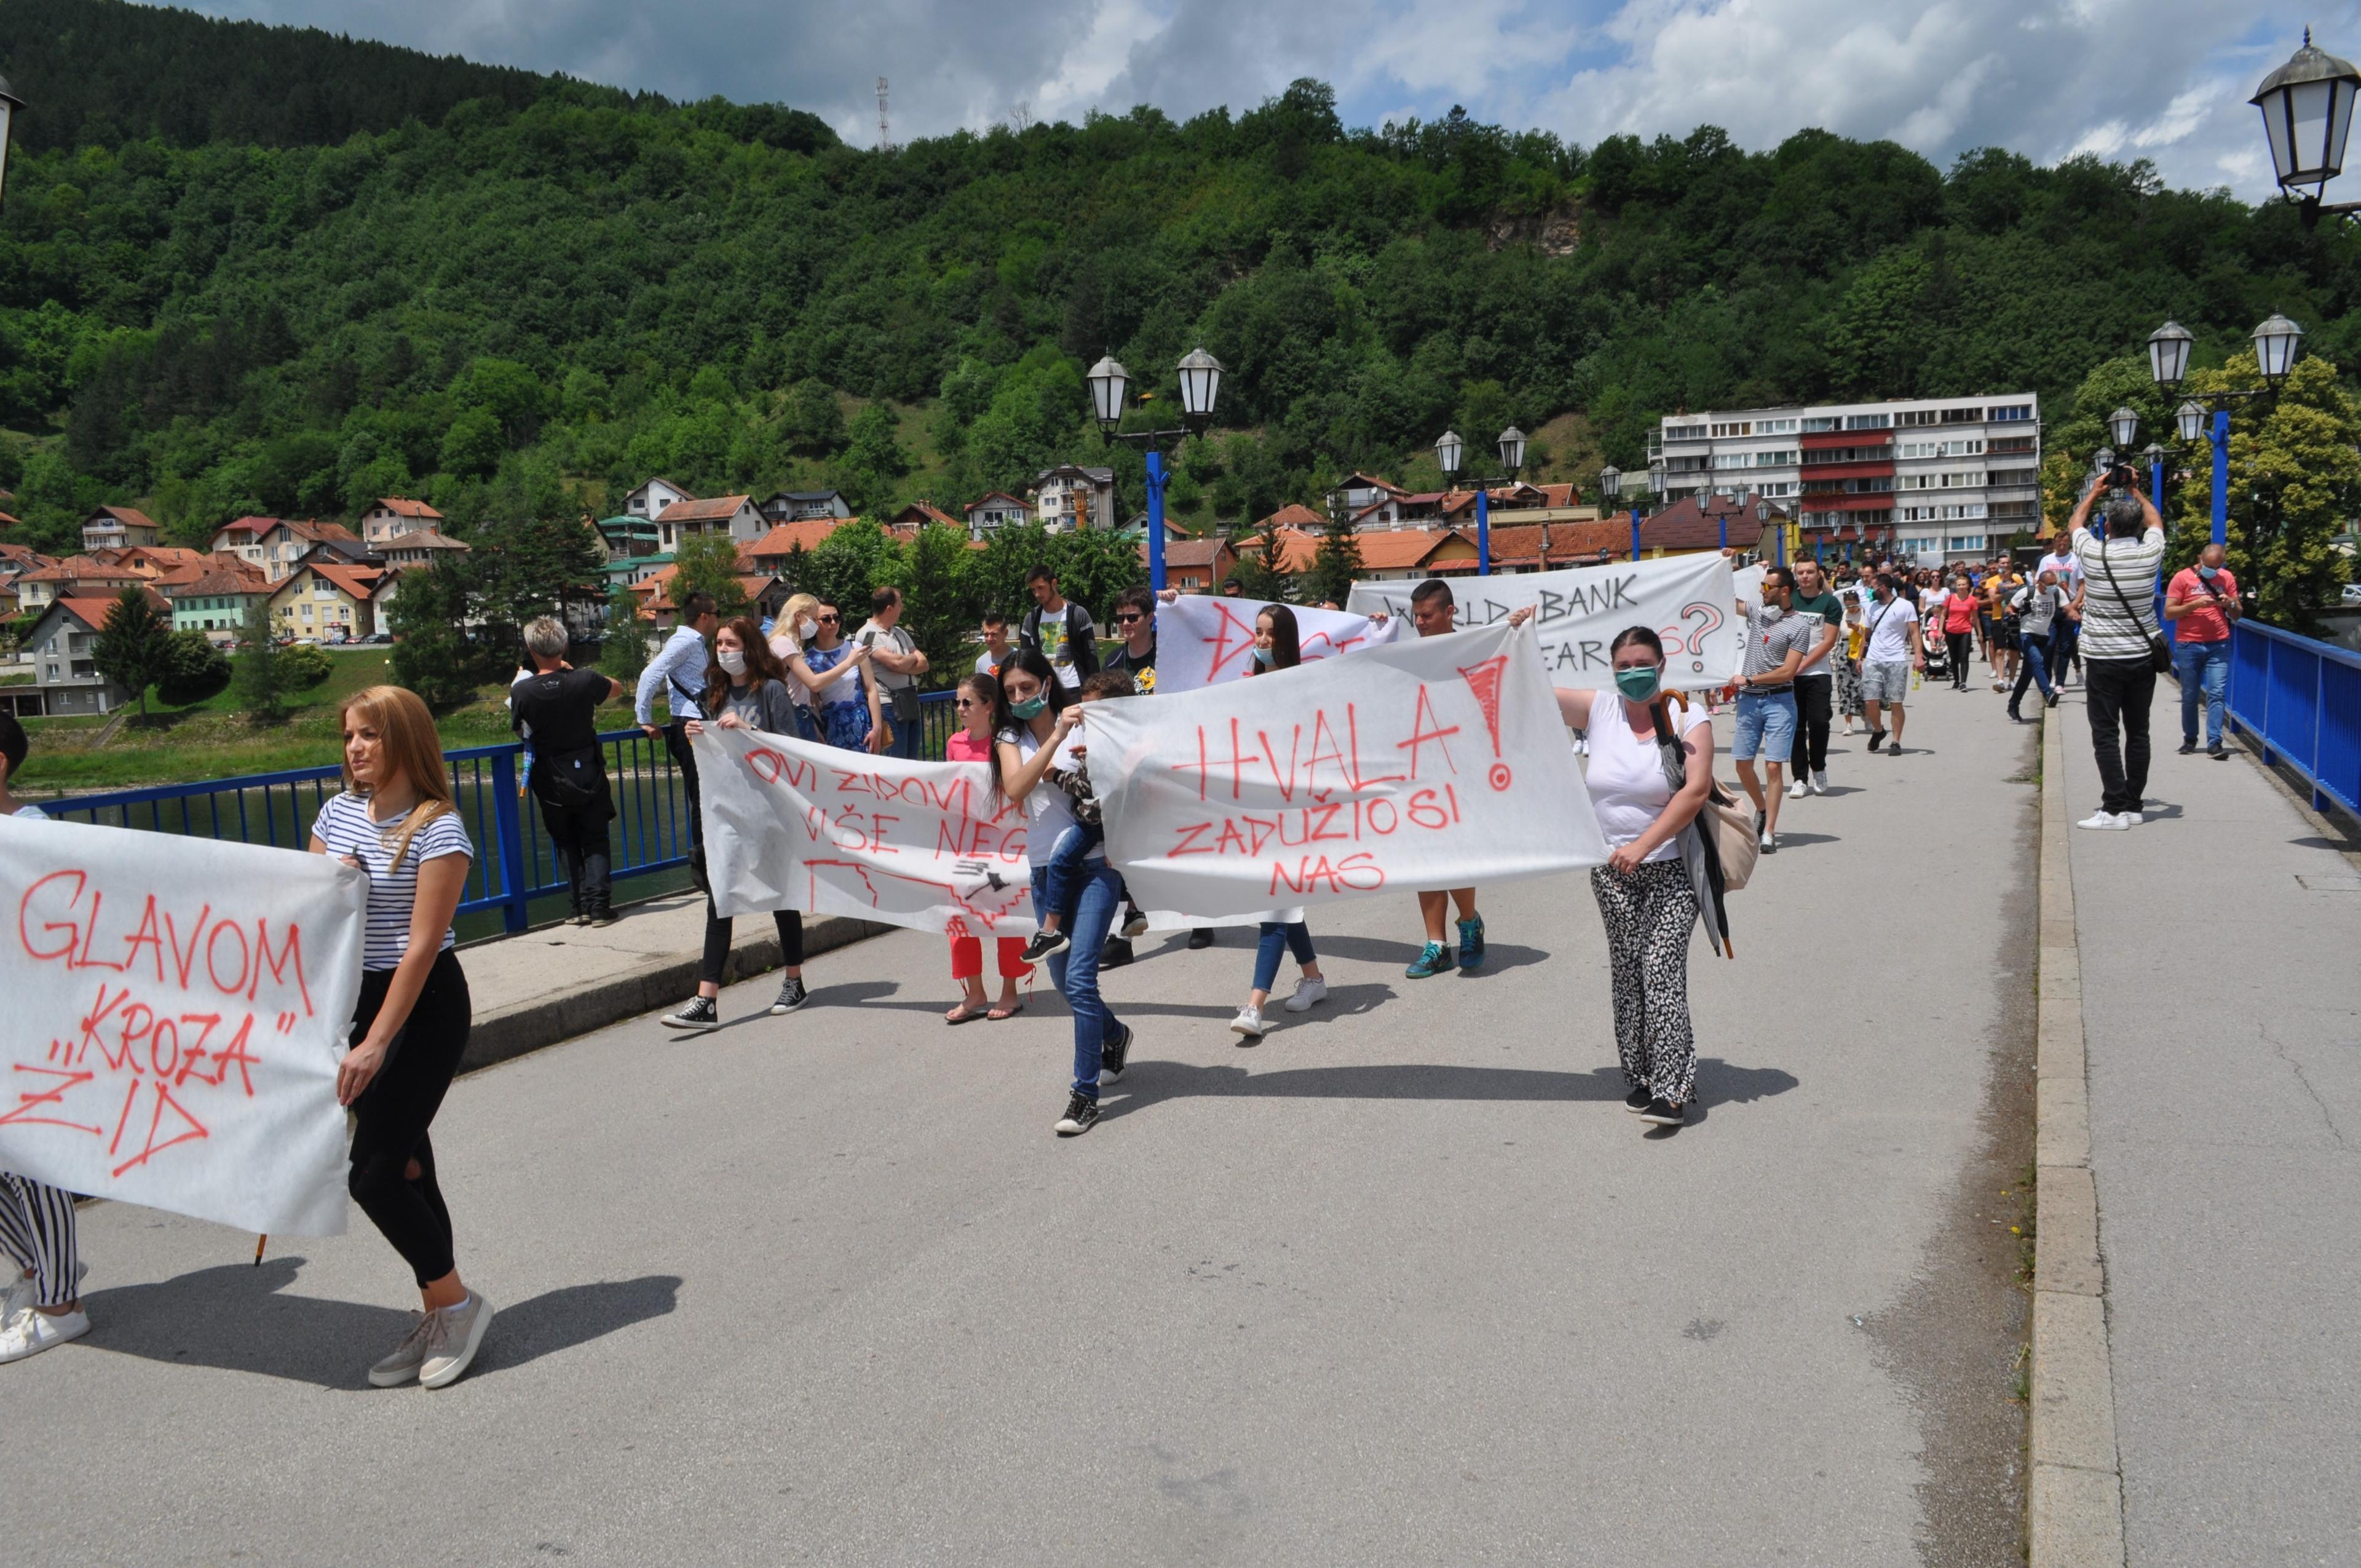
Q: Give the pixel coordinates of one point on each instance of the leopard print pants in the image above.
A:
(1649, 916)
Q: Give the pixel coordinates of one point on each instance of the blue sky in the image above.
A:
(2165, 80)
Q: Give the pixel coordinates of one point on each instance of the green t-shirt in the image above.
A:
(1830, 609)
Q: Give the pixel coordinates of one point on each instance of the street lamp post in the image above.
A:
(2276, 342)
(1200, 381)
(1610, 485)
(2307, 107)
(1448, 449)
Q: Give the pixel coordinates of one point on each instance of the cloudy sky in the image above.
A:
(2166, 80)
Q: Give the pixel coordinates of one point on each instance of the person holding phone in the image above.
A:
(2201, 601)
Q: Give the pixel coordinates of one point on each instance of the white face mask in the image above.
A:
(807, 628)
(733, 662)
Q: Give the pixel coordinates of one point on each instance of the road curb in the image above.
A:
(2076, 1498)
(658, 982)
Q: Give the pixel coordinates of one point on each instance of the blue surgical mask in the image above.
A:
(1638, 682)
(1262, 656)
(2209, 572)
(1030, 708)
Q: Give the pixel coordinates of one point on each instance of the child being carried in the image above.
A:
(1062, 876)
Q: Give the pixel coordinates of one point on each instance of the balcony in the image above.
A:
(1686, 434)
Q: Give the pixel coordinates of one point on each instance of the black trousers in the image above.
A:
(684, 756)
(1960, 643)
(393, 1115)
(2120, 692)
(589, 873)
(718, 927)
(1815, 701)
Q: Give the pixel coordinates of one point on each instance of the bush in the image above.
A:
(304, 664)
(190, 669)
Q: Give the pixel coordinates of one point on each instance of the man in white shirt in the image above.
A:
(2119, 572)
(898, 664)
(2065, 634)
(996, 645)
(677, 672)
(1894, 650)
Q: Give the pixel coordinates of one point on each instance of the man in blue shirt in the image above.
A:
(678, 672)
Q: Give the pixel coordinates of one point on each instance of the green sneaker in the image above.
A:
(1432, 959)
(1471, 942)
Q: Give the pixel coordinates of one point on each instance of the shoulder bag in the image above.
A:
(1729, 829)
(2160, 651)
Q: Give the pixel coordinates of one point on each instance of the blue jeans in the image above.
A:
(1075, 970)
(1058, 878)
(907, 737)
(1766, 726)
(2034, 670)
(2203, 671)
(1277, 938)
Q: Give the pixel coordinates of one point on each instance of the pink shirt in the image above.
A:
(963, 747)
(2205, 623)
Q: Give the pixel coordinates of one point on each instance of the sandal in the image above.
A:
(966, 1013)
(1002, 1015)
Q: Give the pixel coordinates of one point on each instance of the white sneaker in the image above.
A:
(1819, 781)
(1796, 791)
(401, 1366)
(2103, 820)
(2128, 820)
(1309, 994)
(1248, 1025)
(17, 1296)
(32, 1331)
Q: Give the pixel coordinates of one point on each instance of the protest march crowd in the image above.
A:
(1230, 763)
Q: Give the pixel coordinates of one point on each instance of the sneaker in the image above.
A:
(451, 1349)
(1112, 1057)
(1770, 844)
(1045, 942)
(1638, 1100)
(2186, 747)
(402, 1366)
(1081, 1114)
(1761, 824)
(1819, 781)
(18, 1297)
(2013, 716)
(2051, 701)
(2218, 753)
(1662, 1113)
(2102, 821)
(1876, 739)
(1134, 926)
(1115, 954)
(1309, 994)
(1248, 1025)
(1797, 790)
(604, 917)
(1432, 959)
(792, 995)
(2128, 820)
(700, 1014)
(1201, 937)
(1471, 941)
(32, 1331)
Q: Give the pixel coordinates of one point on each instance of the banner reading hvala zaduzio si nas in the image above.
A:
(1433, 762)
(177, 1008)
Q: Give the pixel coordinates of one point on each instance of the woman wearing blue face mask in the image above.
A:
(1653, 886)
(1278, 646)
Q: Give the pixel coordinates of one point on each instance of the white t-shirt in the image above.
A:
(1627, 787)
(893, 640)
(2067, 567)
(1048, 810)
(1889, 621)
(985, 663)
(32, 811)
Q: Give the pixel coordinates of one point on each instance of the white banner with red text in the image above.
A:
(1203, 639)
(178, 1007)
(1435, 762)
(1685, 599)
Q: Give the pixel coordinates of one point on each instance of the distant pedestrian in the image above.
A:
(1815, 679)
(2119, 577)
(1890, 626)
(2202, 604)
(395, 821)
(676, 674)
(1058, 630)
(896, 665)
(1278, 646)
(1959, 611)
(1775, 645)
(1846, 660)
(559, 706)
(983, 713)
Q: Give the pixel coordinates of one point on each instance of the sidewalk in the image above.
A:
(2222, 1014)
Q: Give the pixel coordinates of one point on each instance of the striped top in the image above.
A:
(2109, 629)
(344, 826)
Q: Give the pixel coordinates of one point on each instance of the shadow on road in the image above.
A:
(1150, 1082)
(236, 1317)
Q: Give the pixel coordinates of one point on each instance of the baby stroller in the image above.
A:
(1939, 654)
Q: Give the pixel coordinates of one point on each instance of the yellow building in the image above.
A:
(329, 603)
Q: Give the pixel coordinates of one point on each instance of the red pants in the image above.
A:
(967, 958)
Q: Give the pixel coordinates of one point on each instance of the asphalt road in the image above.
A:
(1405, 1284)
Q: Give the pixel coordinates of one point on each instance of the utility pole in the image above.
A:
(884, 129)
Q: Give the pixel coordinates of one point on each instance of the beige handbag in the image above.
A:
(1728, 828)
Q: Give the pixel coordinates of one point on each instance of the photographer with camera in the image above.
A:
(2202, 602)
(2122, 652)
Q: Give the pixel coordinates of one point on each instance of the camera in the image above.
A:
(2123, 476)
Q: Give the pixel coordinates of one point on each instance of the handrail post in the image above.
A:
(508, 821)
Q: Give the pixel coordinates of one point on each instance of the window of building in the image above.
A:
(1775, 427)
(1963, 416)
(1823, 422)
(1919, 545)
(1780, 487)
(1966, 542)
(1964, 479)
(1684, 433)
(1920, 448)
(2007, 411)
(1721, 431)
(1868, 421)
(1964, 447)
(1777, 459)
(1916, 416)
(2012, 443)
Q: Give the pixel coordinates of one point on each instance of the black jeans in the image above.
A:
(684, 756)
(1815, 701)
(790, 924)
(2120, 692)
(1960, 643)
(391, 1116)
(590, 869)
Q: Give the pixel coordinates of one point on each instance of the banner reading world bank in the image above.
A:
(1685, 599)
(1431, 764)
(1203, 639)
(177, 1008)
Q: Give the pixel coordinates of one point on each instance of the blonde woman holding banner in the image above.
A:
(395, 821)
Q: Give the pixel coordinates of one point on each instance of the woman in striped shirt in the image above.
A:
(395, 820)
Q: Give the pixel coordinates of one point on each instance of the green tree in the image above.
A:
(813, 421)
(472, 446)
(707, 563)
(853, 562)
(625, 653)
(190, 669)
(433, 653)
(260, 691)
(304, 664)
(937, 609)
(133, 645)
(1336, 563)
(1257, 574)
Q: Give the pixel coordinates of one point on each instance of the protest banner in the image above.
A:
(1203, 639)
(1429, 763)
(1685, 599)
(180, 1006)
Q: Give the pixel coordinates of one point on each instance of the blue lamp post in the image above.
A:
(1610, 485)
(2276, 342)
(1201, 379)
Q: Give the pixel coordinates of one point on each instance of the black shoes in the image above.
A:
(1638, 1101)
(2049, 701)
(1112, 1057)
(1044, 943)
(700, 1014)
(2186, 747)
(1662, 1113)
(1876, 739)
(1081, 1116)
(2218, 753)
(1201, 937)
(792, 995)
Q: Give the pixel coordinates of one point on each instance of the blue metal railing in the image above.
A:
(2301, 701)
(515, 861)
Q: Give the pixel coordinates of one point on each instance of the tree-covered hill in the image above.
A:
(235, 278)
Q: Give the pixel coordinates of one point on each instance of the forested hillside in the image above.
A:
(248, 270)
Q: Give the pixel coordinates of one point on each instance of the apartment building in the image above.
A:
(1936, 479)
